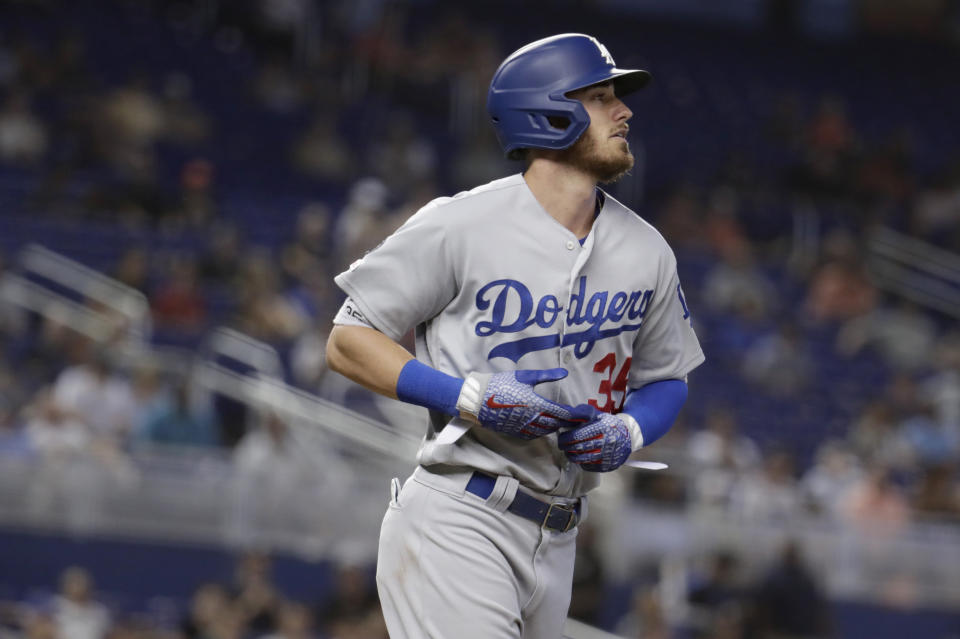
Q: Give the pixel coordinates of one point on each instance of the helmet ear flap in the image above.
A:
(548, 123)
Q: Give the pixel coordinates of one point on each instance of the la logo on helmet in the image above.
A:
(603, 51)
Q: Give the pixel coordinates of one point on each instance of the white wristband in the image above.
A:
(636, 437)
(471, 395)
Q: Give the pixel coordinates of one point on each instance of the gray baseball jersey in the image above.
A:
(491, 282)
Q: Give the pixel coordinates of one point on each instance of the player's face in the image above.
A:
(602, 150)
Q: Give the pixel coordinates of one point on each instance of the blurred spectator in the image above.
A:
(479, 161)
(839, 288)
(310, 248)
(294, 621)
(354, 597)
(875, 505)
(308, 356)
(721, 440)
(364, 222)
(719, 586)
(369, 626)
(13, 319)
(271, 471)
(418, 195)
(680, 218)
(942, 389)
(903, 335)
(312, 297)
(78, 615)
(834, 473)
(721, 455)
(149, 393)
(322, 153)
(221, 261)
(770, 495)
(93, 393)
(180, 420)
(178, 303)
(646, 618)
(937, 493)
(587, 597)
(12, 397)
(930, 441)
(830, 130)
(40, 625)
(195, 206)
(722, 227)
(265, 312)
(277, 86)
(55, 434)
(886, 176)
(229, 624)
(130, 123)
(14, 439)
(779, 362)
(184, 122)
(133, 269)
(875, 436)
(788, 603)
(69, 65)
(731, 335)
(23, 136)
(255, 595)
(737, 282)
(402, 155)
(77, 467)
(210, 601)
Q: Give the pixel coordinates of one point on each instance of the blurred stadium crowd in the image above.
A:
(227, 159)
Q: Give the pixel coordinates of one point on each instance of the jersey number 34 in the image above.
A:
(610, 384)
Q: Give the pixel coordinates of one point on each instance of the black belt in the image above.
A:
(559, 517)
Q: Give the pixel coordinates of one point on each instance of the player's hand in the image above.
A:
(506, 403)
(602, 444)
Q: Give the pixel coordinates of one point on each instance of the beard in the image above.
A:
(606, 166)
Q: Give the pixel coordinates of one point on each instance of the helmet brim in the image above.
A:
(625, 81)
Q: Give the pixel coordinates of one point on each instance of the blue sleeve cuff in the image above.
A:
(425, 386)
(655, 407)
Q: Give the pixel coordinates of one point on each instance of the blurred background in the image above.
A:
(181, 180)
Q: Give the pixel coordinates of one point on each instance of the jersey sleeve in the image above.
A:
(666, 346)
(407, 279)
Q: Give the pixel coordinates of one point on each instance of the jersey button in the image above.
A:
(571, 244)
(568, 357)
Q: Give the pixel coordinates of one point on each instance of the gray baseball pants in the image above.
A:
(453, 565)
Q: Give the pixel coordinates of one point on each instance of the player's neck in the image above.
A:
(568, 195)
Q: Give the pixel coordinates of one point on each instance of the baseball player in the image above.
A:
(552, 340)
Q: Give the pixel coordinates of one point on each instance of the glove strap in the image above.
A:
(636, 436)
(471, 394)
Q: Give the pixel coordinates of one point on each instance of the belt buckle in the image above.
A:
(571, 512)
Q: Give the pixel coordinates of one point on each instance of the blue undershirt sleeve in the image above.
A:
(425, 386)
(656, 406)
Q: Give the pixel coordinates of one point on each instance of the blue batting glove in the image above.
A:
(602, 444)
(506, 403)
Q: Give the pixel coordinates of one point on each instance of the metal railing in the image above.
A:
(915, 270)
(100, 306)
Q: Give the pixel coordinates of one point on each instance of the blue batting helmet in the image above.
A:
(530, 87)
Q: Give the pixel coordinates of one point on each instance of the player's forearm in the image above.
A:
(655, 407)
(375, 361)
(368, 357)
